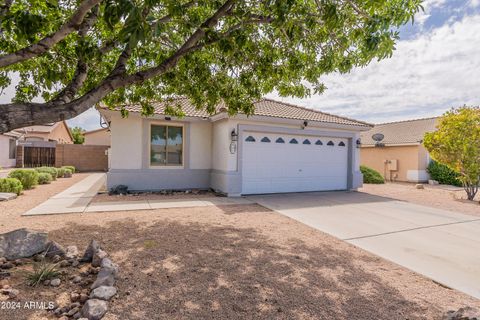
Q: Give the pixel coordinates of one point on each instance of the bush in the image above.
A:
(371, 176)
(60, 172)
(443, 174)
(44, 178)
(50, 170)
(72, 168)
(41, 271)
(28, 177)
(12, 185)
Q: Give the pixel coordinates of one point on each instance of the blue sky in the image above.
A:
(436, 66)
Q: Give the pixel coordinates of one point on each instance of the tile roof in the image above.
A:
(401, 132)
(263, 107)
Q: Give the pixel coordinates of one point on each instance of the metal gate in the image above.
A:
(38, 153)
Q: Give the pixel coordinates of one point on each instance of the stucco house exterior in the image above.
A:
(400, 156)
(98, 137)
(54, 132)
(282, 148)
(8, 145)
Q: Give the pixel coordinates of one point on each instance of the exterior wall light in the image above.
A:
(234, 135)
(359, 143)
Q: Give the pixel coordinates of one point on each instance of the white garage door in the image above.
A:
(292, 163)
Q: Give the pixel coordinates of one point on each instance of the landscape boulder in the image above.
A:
(104, 278)
(90, 251)
(467, 313)
(71, 252)
(98, 257)
(22, 243)
(103, 293)
(54, 249)
(94, 309)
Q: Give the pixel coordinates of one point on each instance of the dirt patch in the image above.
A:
(432, 196)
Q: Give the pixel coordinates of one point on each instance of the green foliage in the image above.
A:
(44, 178)
(12, 185)
(60, 172)
(28, 177)
(71, 168)
(42, 271)
(68, 171)
(443, 174)
(78, 135)
(50, 170)
(456, 144)
(255, 48)
(371, 176)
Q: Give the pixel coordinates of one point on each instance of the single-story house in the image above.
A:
(98, 137)
(282, 148)
(54, 132)
(398, 153)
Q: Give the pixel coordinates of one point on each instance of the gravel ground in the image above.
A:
(432, 196)
(239, 262)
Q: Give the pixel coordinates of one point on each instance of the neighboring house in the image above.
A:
(56, 132)
(400, 156)
(282, 148)
(99, 137)
(8, 146)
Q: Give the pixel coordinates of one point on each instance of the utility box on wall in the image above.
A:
(393, 165)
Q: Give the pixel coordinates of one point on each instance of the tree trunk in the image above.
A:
(471, 190)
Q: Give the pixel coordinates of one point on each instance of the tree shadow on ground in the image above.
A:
(171, 270)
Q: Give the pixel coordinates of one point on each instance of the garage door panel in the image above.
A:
(269, 167)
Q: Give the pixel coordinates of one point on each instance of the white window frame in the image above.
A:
(166, 166)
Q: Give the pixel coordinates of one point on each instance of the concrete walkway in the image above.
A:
(77, 199)
(439, 244)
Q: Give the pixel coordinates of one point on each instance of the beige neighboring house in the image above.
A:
(99, 137)
(8, 146)
(56, 132)
(400, 155)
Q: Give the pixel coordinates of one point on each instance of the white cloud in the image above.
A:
(88, 120)
(422, 16)
(425, 77)
(474, 3)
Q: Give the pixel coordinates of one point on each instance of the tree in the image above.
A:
(75, 54)
(456, 143)
(78, 135)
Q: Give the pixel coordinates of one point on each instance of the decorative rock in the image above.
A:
(75, 263)
(419, 186)
(77, 279)
(467, 313)
(54, 249)
(104, 278)
(3, 260)
(73, 311)
(94, 309)
(6, 265)
(74, 297)
(71, 252)
(433, 182)
(108, 264)
(120, 189)
(103, 293)
(46, 282)
(90, 251)
(55, 282)
(63, 318)
(77, 315)
(83, 297)
(64, 264)
(5, 196)
(11, 293)
(56, 258)
(22, 243)
(97, 257)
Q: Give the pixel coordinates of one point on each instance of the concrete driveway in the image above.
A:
(442, 245)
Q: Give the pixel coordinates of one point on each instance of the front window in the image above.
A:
(166, 145)
(12, 146)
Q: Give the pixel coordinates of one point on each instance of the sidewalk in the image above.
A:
(77, 198)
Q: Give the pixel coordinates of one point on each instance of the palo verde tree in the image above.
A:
(73, 54)
(456, 143)
(78, 135)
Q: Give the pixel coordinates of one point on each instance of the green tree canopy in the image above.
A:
(456, 143)
(74, 54)
(78, 135)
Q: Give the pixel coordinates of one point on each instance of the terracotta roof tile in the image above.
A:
(402, 132)
(263, 107)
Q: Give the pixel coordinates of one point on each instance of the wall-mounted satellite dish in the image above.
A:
(378, 137)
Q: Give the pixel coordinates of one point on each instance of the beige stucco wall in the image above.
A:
(59, 134)
(98, 137)
(412, 161)
(130, 142)
(5, 161)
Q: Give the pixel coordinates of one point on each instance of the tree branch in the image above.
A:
(46, 43)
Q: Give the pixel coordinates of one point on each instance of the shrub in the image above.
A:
(12, 185)
(72, 168)
(68, 173)
(60, 172)
(371, 176)
(44, 178)
(28, 177)
(443, 174)
(41, 271)
(51, 170)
